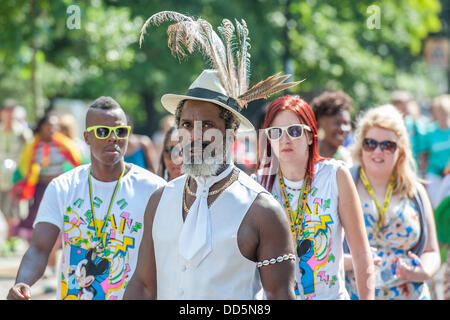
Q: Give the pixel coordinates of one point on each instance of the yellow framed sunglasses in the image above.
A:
(103, 132)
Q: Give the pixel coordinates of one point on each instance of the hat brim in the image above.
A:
(170, 102)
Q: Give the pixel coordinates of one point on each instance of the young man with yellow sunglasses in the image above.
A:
(99, 210)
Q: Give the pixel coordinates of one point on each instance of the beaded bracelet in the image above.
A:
(275, 260)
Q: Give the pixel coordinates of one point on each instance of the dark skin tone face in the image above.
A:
(209, 115)
(336, 128)
(106, 154)
(206, 112)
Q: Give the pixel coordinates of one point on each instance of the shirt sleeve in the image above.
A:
(50, 209)
(424, 142)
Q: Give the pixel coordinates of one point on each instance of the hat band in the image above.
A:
(213, 95)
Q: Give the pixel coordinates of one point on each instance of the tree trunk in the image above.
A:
(34, 82)
(148, 101)
(287, 60)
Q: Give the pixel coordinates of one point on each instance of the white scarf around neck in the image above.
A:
(195, 238)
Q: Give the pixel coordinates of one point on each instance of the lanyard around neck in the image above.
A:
(297, 224)
(100, 233)
(387, 197)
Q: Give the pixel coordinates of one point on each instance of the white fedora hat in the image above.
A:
(207, 87)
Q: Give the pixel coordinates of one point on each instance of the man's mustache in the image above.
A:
(192, 145)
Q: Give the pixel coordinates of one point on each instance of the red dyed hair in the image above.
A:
(306, 116)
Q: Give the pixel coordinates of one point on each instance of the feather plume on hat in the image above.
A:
(227, 53)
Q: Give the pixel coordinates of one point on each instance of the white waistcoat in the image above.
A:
(224, 273)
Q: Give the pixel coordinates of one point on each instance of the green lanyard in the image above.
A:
(100, 233)
(297, 224)
(387, 197)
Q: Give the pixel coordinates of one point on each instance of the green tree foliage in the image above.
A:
(338, 47)
(326, 42)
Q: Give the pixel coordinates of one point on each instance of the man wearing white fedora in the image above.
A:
(213, 233)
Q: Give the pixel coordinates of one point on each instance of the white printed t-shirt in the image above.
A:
(86, 274)
(320, 271)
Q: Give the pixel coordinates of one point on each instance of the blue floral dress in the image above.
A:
(399, 234)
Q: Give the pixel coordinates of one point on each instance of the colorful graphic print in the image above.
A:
(98, 267)
(399, 233)
(314, 246)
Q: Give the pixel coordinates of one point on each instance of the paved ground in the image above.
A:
(45, 289)
(438, 293)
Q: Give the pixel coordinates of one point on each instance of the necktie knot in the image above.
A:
(203, 193)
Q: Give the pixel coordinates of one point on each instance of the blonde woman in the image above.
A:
(398, 214)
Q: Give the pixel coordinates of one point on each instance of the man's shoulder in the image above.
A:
(266, 202)
(176, 181)
(250, 183)
(74, 175)
(173, 186)
(266, 213)
(263, 200)
(68, 181)
(144, 176)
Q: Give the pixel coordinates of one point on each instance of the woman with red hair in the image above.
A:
(320, 201)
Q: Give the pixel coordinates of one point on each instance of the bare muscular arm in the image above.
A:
(266, 235)
(34, 260)
(143, 283)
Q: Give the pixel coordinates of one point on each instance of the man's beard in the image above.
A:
(207, 164)
(200, 170)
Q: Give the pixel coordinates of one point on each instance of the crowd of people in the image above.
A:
(332, 208)
(400, 232)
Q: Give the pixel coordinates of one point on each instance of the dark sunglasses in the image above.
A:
(293, 131)
(371, 144)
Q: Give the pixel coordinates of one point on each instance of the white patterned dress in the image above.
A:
(398, 234)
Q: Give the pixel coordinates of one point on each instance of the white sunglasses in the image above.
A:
(293, 131)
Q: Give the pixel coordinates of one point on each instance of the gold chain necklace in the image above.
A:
(297, 224)
(212, 193)
(293, 189)
(232, 179)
